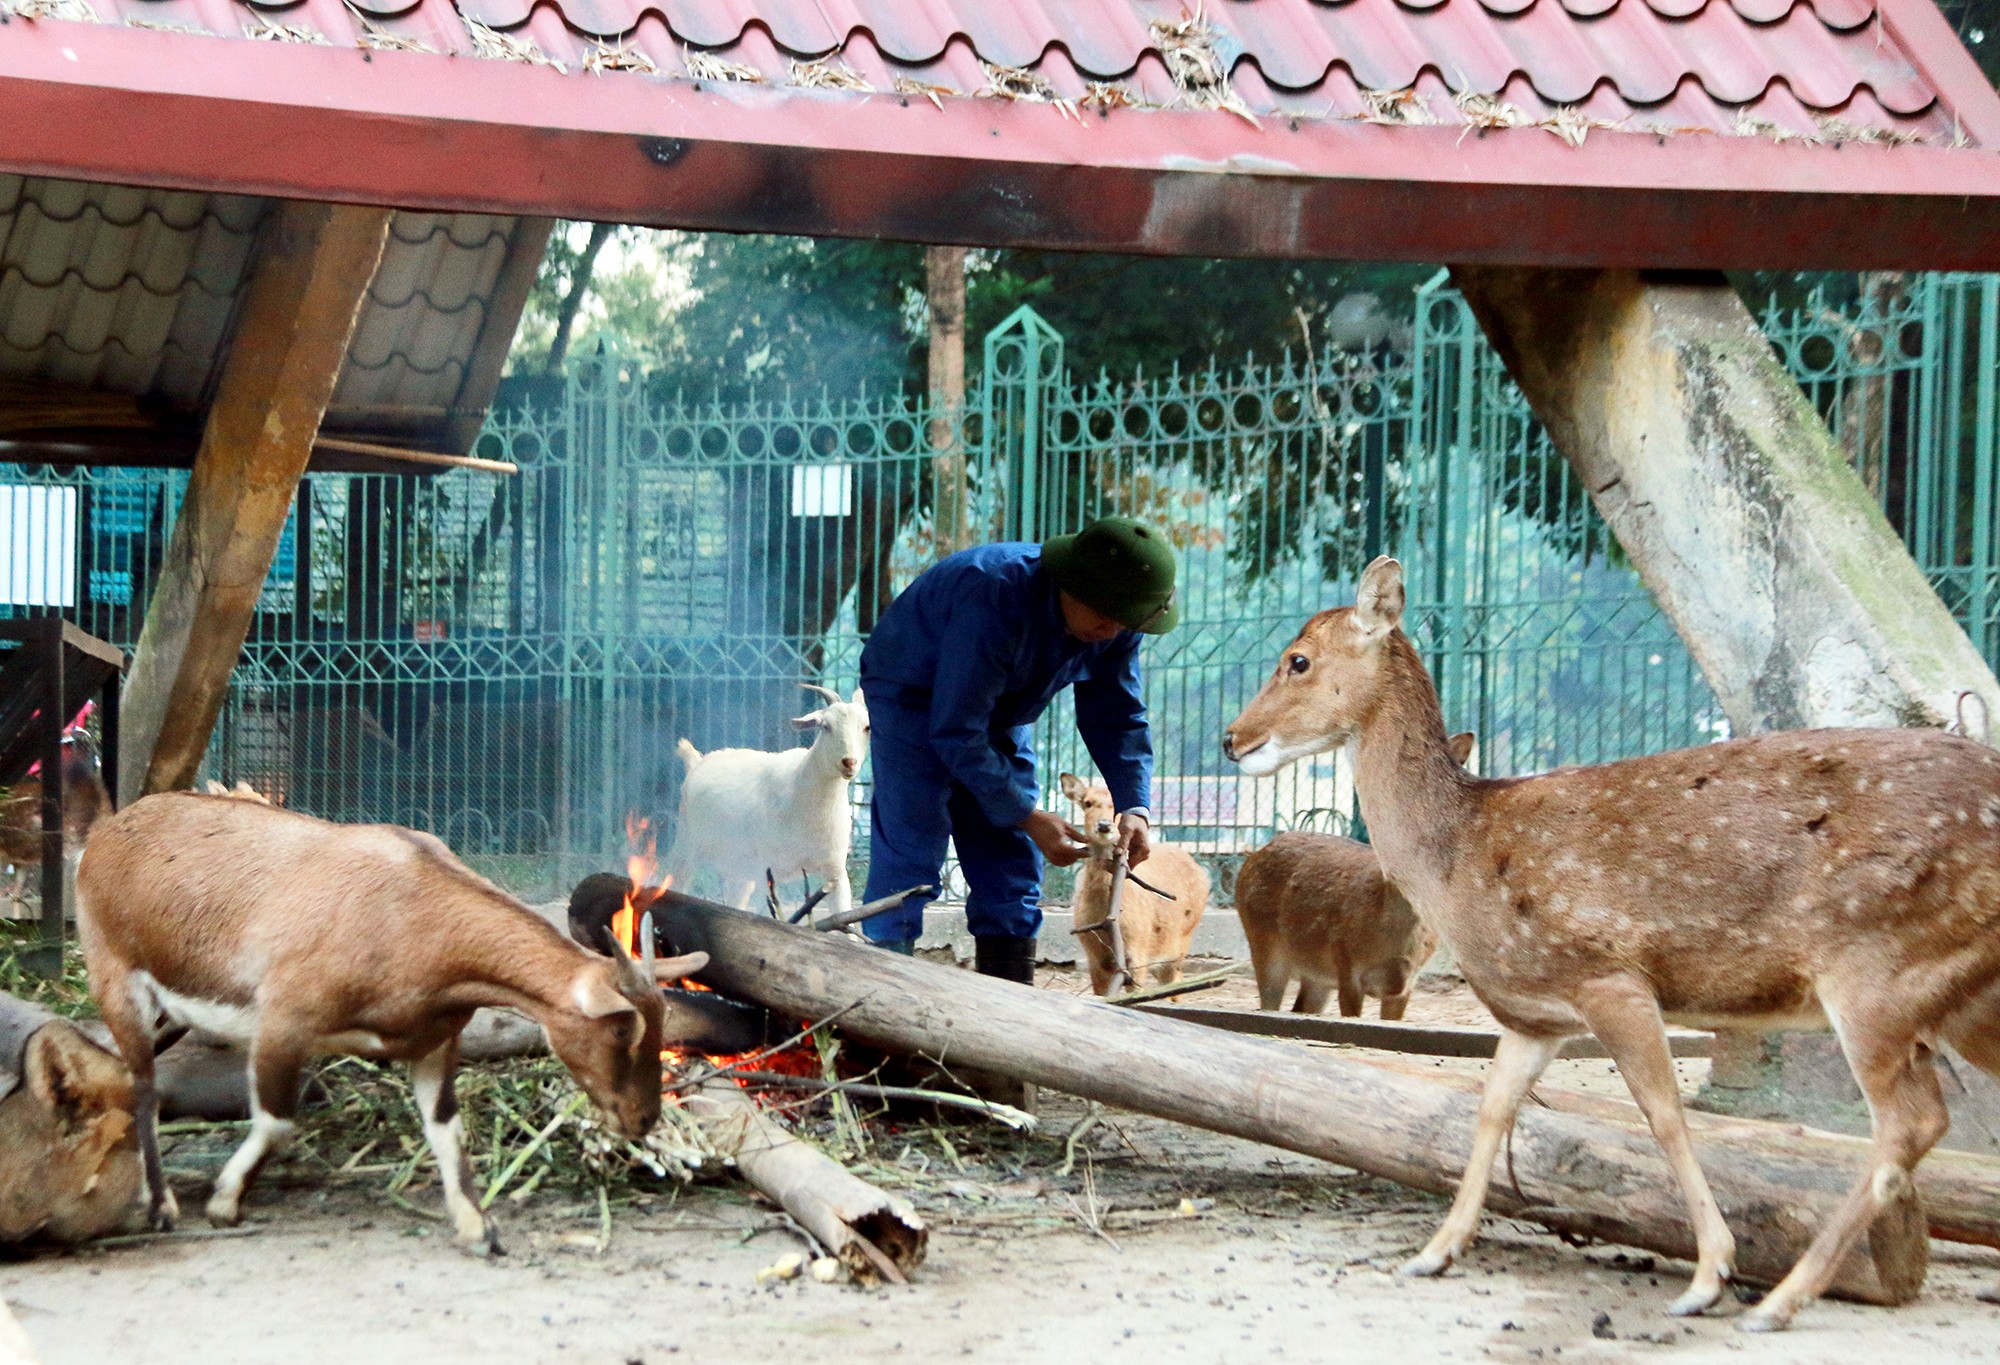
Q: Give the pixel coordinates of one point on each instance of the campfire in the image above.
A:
(719, 1076)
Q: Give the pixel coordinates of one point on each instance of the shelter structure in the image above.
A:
(274, 232)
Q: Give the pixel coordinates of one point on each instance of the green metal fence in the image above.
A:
(508, 661)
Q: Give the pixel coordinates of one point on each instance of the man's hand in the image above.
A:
(1135, 836)
(1060, 842)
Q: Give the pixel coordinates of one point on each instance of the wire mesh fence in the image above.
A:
(508, 661)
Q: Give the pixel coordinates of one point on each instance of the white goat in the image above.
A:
(745, 812)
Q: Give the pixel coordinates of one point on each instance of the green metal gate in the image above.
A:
(509, 661)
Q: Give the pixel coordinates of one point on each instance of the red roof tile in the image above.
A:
(1751, 106)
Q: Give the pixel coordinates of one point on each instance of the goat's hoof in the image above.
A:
(1426, 1263)
(482, 1240)
(1697, 1300)
(163, 1213)
(223, 1212)
(1757, 1320)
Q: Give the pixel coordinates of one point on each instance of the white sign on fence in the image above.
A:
(37, 546)
(822, 490)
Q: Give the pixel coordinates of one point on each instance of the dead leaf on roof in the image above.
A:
(1572, 125)
(494, 46)
(1750, 125)
(1109, 95)
(924, 90)
(75, 11)
(1397, 106)
(1490, 111)
(1019, 83)
(828, 73)
(1193, 54)
(604, 58)
(1836, 129)
(264, 30)
(376, 38)
(706, 66)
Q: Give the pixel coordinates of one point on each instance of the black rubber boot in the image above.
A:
(1008, 956)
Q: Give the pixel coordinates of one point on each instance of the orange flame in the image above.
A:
(641, 863)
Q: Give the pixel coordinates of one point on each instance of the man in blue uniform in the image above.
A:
(956, 673)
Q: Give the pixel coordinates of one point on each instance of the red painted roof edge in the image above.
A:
(100, 103)
(1926, 36)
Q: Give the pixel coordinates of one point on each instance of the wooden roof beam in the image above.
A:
(313, 268)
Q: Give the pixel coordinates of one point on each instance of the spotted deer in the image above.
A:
(1802, 879)
(296, 937)
(1316, 909)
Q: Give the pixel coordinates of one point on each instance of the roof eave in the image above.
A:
(451, 133)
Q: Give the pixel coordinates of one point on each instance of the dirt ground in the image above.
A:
(1159, 1242)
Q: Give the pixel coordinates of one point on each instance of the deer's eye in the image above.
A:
(1298, 663)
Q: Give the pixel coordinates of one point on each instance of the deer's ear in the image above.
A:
(1462, 745)
(1378, 607)
(1072, 787)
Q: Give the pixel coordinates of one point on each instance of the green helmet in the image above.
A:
(1121, 567)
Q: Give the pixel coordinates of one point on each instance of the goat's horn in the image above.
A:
(647, 954)
(826, 692)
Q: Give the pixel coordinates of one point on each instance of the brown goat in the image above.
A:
(1156, 930)
(298, 937)
(1791, 880)
(1316, 909)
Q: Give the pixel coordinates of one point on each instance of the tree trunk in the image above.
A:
(944, 287)
(70, 1169)
(579, 288)
(1571, 1173)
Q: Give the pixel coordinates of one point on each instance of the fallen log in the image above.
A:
(876, 1235)
(1565, 1171)
(70, 1169)
(1957, 1187)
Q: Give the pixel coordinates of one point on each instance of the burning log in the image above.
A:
(1569, 1172)
(874, 1234)
(71, 1165)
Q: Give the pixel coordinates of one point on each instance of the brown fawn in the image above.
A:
(1789, 880)
(1316, 909)
(1155, 929)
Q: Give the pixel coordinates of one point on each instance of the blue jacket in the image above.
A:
(978, 644)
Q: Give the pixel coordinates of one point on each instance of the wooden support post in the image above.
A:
(944, 288)
(313, 267)
(1742, 513)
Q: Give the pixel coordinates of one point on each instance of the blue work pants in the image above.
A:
(917, 808)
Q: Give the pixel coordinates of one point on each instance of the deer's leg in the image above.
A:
(276, 1061)
(1517, 1062)
(1312, 997)
(1273, 975)
(1393, 1006)
(1979, 1043)
(431, 1082)
(1625, 1016)
(1352, 997)
(128, 1012)
(1907, 1105)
